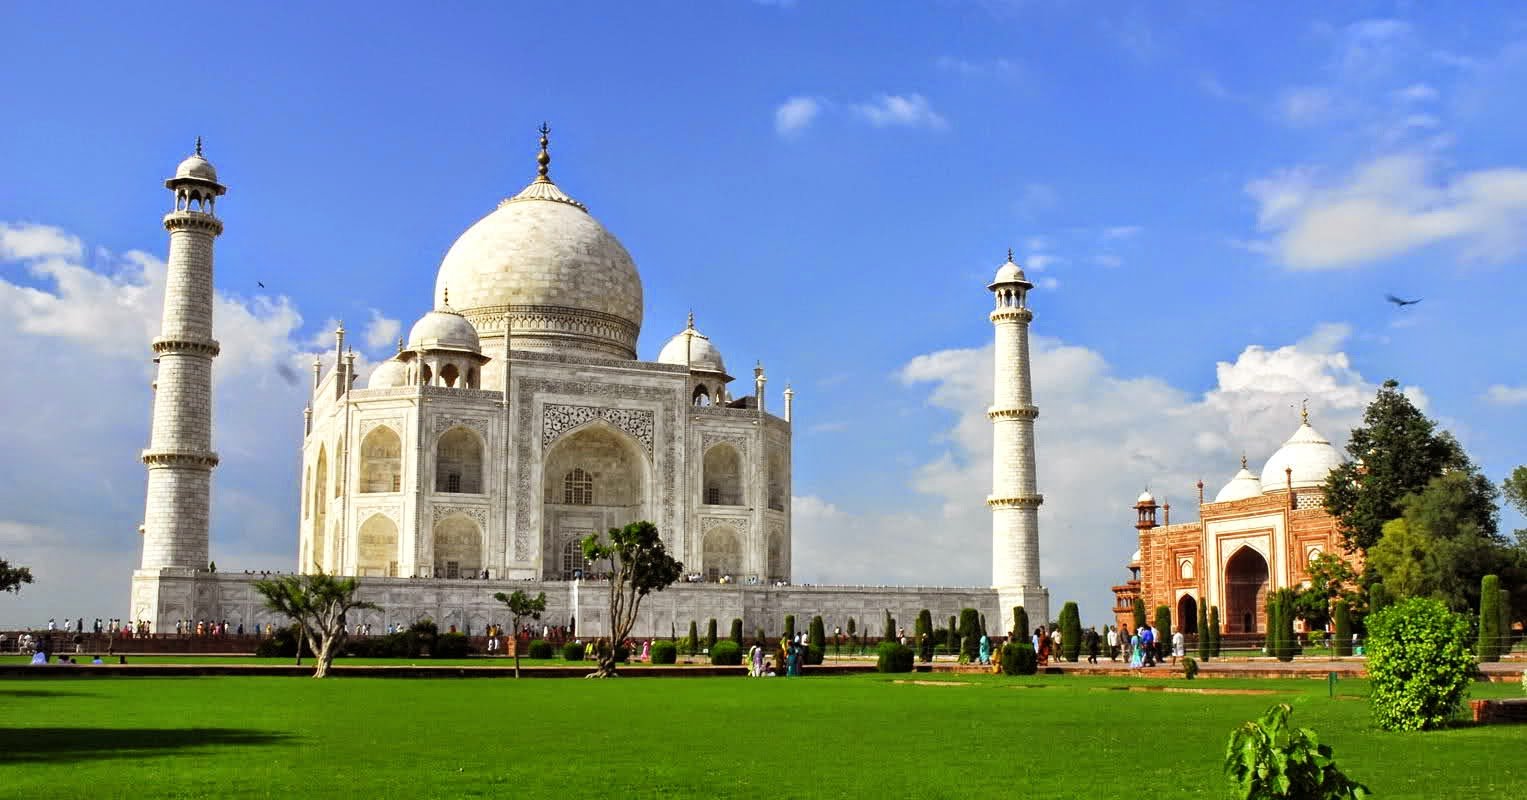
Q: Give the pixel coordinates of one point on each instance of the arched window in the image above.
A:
(722, 556)
(458, 548)
(381, 461)
(458, 462)
(777, 481)
(723, 476)
(777, 566)
(701, 396)
(1185, 568)
(448, 375)
(578, 488)
(320, 511)
(425, 374)
(572, 558)
(378, 547)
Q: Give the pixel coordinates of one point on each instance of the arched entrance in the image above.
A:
(722, 556)
(593, 479)
(1245, 591)
(1187, 615)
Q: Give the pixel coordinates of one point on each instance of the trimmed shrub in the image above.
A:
(1214, 631)
(1163, 631)
(572, 651)
(889, 632)
(736, 634)
(924, 633)
(665, 653)
(1341, 638)
(954, 636)
(1505, 623)
(539, 648)
(451, 645)
(1419, 664)
(726, 654)
(790, 627)
(970, 634)
(692, 641)
(1205, 636)
(1020, 623)
(1490, 634)
(816, 641)
(759, 635)
(1018, 658)
(1189, 667)
(1070, 632)
(283, 645)
(1139, 609)
(710, 634)
(1378, 598)
(894, 657)
(1265, 759)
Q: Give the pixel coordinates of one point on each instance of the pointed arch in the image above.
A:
(378, 539)
(722, 480)
(1187, 614)
(1246, 584)
(320, 511)
(459, 461)
(458, 545)
(381, 461)
(721, 554)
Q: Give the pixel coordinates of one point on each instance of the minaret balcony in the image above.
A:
(193, 221)
(1021, 412)
(175, 344)
(1019, 501)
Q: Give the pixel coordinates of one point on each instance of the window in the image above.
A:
(453, 569)
(397, 482)
(572, 558)
(459, 462)
(713, 495)
(578, 488)
(453, 482)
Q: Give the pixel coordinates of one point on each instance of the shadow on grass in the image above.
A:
(8, 693)
(93, 744)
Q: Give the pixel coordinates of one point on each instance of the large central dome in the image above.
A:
(566, 284)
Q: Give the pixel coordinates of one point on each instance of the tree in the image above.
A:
(1378, 597)
(1395, 452)
(1070, 632)
(889, 634)
(1273, 643)
(1341, 638)
(1205, 637)
(639, 565)
(1139, 609)
(816, 641)
(1214, 629)
(1419, 664)
(1490, 633)
(1020, 624)
(521, 607)
(11, 577)
(1330, 578)
(736, 634)
(318, 604)
(924, 632)
(1443, 544)
(954, 636)
(710, 634)
(692, 639)
(970, 635)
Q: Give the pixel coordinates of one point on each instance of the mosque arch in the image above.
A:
(458, 545)
(381, 461)
(1246, 585)
(459, 462)
(1187, 614)
(721, 554)
(320, 511)
(722, 476)
(449, 375)
(777, 480)
(593, 478)
(778, 566)
(701, 396)
(425, 374)
(378, 539)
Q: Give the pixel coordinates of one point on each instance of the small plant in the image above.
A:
(572, 651)
(1018, 658)
(1266, 759)
(539, 648)
(1189, 667)
(665, 653)
(726, 653)
(894, 657)
(1419, 664)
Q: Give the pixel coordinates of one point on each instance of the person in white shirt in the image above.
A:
(1113, 644)
(1177, 647)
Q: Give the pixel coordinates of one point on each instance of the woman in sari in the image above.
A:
(1136, 657)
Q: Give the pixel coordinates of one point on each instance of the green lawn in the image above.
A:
(830, 736)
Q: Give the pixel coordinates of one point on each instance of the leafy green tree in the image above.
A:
(970, 634)
(318, 604)
(1442, 545)
(816, 641)
(1163, 630)
(1490, 634)
(1205, 636)
(639, 565)
(1020, 623)
(888, 632)
(1419, 664)
(1070, 632)
(1330, 577)
(1378, 597)
(11, 577)
(521, 607)
(1341, 639)
(736, 634)
(1397, 451)
(1274, 644)
(1214, 630)
(1139, 609)
(1266, 759)
(924, 631)
(710, 634)
(692, 639)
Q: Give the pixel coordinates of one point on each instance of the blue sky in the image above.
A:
(1213, 200)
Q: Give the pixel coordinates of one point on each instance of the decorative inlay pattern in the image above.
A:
(395, 423)
(363, 511)
(557, 420)
(478, 514)
(739, 524)
(445, 422)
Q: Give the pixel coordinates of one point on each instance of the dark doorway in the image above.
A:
(1187, 614)
(1246, 588)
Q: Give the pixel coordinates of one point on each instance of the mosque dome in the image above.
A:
(1135, 559)
(1009, 272)
(196, 167)
(443, 329)
(1310, 456)
(1242, 486)
(1145, 497)
(693, 349)
(388, 374)
(565, 282)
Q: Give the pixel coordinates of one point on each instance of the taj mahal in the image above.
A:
(516, 418)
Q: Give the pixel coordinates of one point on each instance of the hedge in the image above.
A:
(1020, 623)
(816, 641)
(894, 657)
(1205, 638)
(665, 653)
(1214, 631)
(736, 635)
(1070, 632)
(451, 645)
(970, 634)
(1018, 658)
(539, 648)
(1490, 634)
(1341, 641)
(710, 634)
(1139, 613)
(726, 653)
(572, 651)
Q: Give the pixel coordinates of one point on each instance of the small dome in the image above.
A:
(196, 167)
(1242, 486)
(1145, 497)
(1135, 559)
(443, 329)
(388, 374)
(693, 349)
(1310, 456)
(1009, 272)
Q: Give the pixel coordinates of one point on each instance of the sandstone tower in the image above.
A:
(1014, 499)
(179, 457)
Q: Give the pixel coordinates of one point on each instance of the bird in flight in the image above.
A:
(259, 284)
(1402, 303)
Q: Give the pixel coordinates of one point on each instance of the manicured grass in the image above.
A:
(830, 736)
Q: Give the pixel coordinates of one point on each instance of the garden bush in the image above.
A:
(1490, 634)
(1214, 630)
(736, 634)
(1070, 632)
(1189, 667)
(1163, 625)
(692, 642)
(1018, 658)
(816, 641)
(1378, 598)
(894, 657)
(451, 645)
(1266, 759)
(665, 653)
(1341, 637)
(1205, 636)
(790, 627)
(970, 634)
(726, 653)
(710, 634)
(283, 645)
(539, 648)
(1419, 664)
(954, 636)
(1139, 613)
(1021, 628)
(923, 633)
(572, 651)
(888, 633)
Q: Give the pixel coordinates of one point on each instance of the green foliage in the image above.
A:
(1281, 607)
(539, 648)
(1205, 636)
(11, 578)
(1491, 636)
(710, 634)
(925, 638)
(1444, 542)
(572, 651)
(639, 564)
(692, 641)
(790, 627)
(451, 645)
(1505, 622)
(816, 641)
(954, 635)
(893, 657)
(851, 630)
(284, 644)
(664, 653)
(1020, 622)
(1341, 639)
(1019, 658)
(1419, 664)
(888, 633)
(736, 633)
(1330, 577)
(759, 635)
(1378, 597)
(521, 606)
(1163, 629)
(1266, 759)
(970, 634)
(1139, 609)
(1070, 632)
(1214, 631)
(319, 605)
(726, 653)
(1189, 667)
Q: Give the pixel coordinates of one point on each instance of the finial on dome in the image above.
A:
(400, 344)
(1243, 461)
(1010, 255)
(1304, 412)
(543, 158)
(691, 325)
(198, 145)
(445, 297)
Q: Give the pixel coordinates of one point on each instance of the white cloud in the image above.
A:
(1388, 206)
(1107, 260)
(1305, 105)
(1039, 262)
(23, 241)
(1047, 282)
(795, 115)
(1101, 436)
(911, 110)
(1502, 395)
(381, 331)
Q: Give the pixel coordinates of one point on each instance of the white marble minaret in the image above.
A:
(1014, 499)
(179, 456)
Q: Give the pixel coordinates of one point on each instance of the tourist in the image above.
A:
(1177, 645)
(647, 650)
(985, 650)
(1136, 659)
(755, 660)
(39, 657)
(1092, 644)
(1055, 644)
(1044, 645)
(1113, 642)
(1148, 644)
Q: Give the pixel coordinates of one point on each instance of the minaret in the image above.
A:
(179, 456)
(1014, 499)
